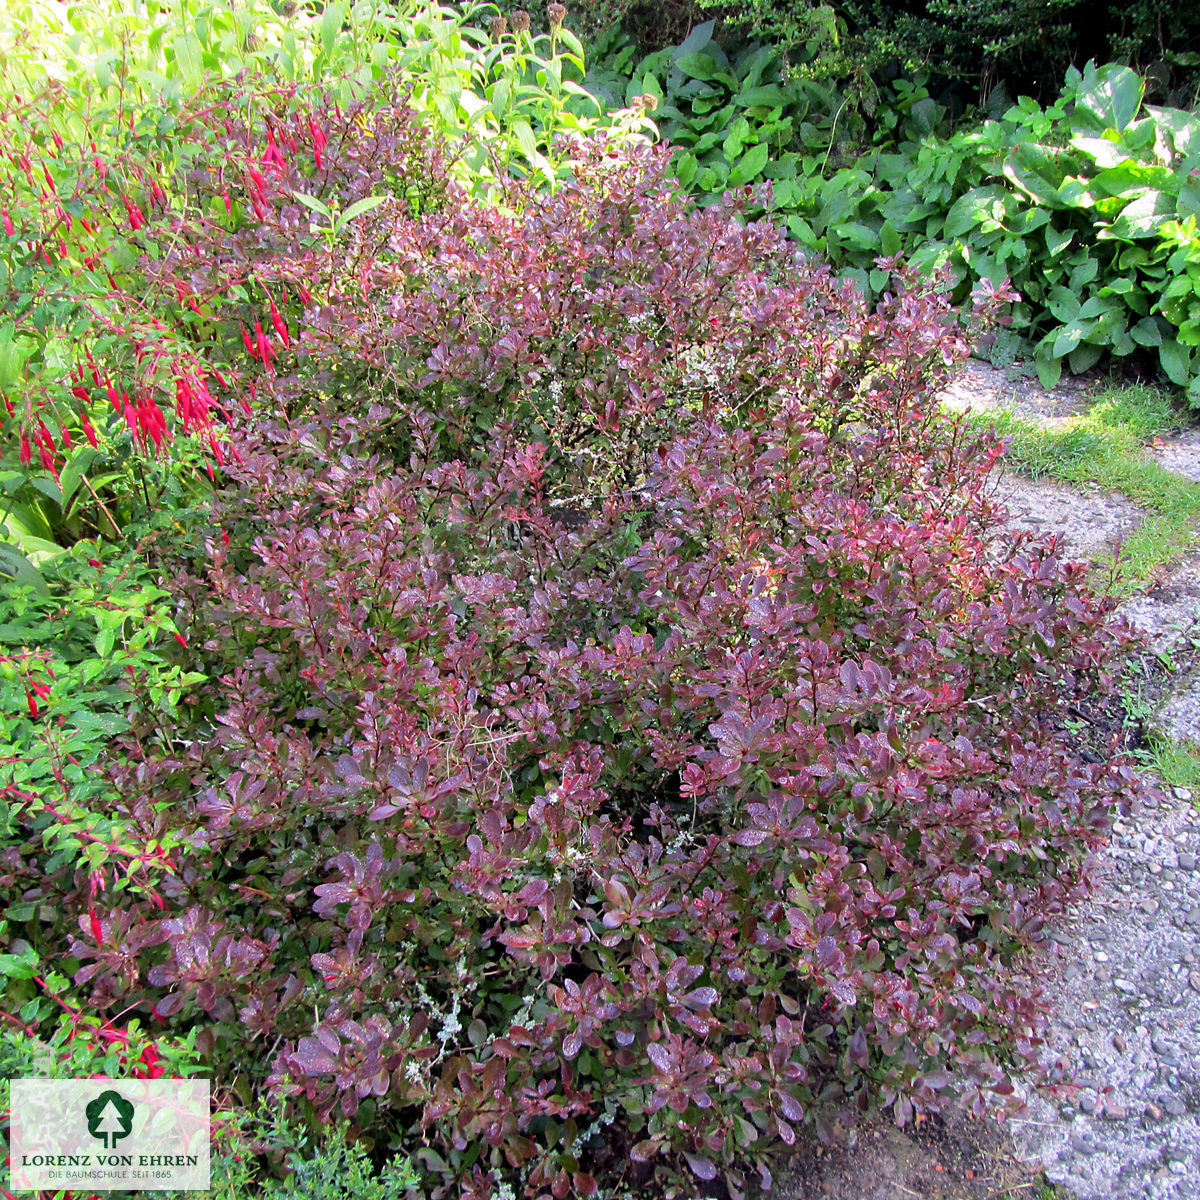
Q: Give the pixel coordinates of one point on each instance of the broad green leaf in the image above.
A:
(704, 66)
(890, 241)
(697, 39)
(1097, 306)
(1057, 240)
(749, 166)
(858, 235)
(1108, 97)
(1143, 217)
(685, 169)
(969, 211)
(1049, 369)
(767, 95)
(1147, 332)
(359, 207)
(1063, 303)
(1103, 151)
(1037, 171)
(1176, 361)
(1084, 357)
(739, 133)
(1068, 337)
(1182, 127)
(331, 24)
(19, 569)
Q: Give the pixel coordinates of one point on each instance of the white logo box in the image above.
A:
(109, 1134)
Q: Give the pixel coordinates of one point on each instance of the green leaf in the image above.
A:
(1063, 303)
(685, 169)
(1103, 151)
(19, 569)
(1176, 361)
(1037, 171)
(1108, 97)
(1182, 127)
(1144, 217)
(738, 134)
(524, 134)
(767, 95)
(704, 66)
(1084, 357)
(750, 165)
(313, 203)
(359, 207)
(1049, 369)
(331, 24)
(969, 211)
(1147, 332)
(697, 39)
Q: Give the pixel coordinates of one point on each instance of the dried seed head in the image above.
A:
(556, 13)
(498, 27)
(649, 102)
(520, 20)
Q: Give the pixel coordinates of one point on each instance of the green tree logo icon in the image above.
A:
(109, 1118)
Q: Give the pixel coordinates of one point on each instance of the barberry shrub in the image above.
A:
(634, 732)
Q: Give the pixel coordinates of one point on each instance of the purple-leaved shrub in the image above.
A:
(633, 732)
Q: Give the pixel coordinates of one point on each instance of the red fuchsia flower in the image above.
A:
(65, 435)
(88, 431)
(273, 156)
(181, 640)
(80, 393)
(136, 218)
(131, 418)
(49, 178)
(247, 343)
(43, 438)
(228, 204)
(33, 705)
(280, 327)
(48, 461)
(26, 449)
(8, 225)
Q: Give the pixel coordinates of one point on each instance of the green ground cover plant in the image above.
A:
(1089, 207)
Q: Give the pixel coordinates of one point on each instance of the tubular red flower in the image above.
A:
(280, 327)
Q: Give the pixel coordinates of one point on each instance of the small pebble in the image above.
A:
(1187, 862)
(1154, 1112)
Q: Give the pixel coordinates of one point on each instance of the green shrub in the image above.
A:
(1089, 207)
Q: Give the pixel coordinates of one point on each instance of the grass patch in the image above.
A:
(1104, 446)
(1177, 763)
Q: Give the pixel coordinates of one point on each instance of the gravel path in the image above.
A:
(1125, 978)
